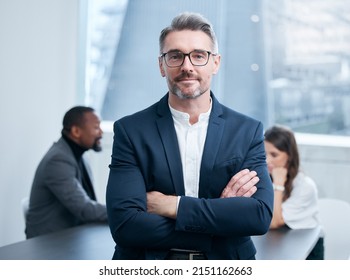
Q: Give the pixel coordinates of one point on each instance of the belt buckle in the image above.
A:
(191, 255)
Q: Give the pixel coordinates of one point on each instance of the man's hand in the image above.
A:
(241, 184)
(161, 204)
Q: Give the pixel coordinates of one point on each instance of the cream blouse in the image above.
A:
(300, 210)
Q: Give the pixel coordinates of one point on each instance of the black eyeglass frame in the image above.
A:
(189, 57)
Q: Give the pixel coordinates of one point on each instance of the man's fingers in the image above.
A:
(241, 179)
(250, 192)
(241, 184)
(242, 192)
(238, 176)
(247, 186)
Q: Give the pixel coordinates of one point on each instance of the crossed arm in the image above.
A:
(241, 184)
(192, 222)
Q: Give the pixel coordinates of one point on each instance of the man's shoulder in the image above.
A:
(60, 146)
(58, 150)
(54, 160)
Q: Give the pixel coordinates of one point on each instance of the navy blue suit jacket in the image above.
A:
(146, 158)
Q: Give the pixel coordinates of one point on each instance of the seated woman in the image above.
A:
(295, 202)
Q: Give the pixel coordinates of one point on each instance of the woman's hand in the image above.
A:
(279, 175)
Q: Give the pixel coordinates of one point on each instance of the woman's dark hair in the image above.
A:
(283, 139)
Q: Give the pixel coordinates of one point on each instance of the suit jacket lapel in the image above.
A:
(168, 135)
(214, 134)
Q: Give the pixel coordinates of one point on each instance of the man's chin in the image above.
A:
(188, 95)
(97, 148)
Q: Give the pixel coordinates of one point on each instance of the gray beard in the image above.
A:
(181, 95)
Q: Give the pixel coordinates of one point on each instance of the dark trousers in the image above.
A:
(317, 252)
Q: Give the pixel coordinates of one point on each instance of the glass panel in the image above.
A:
(133, 78)
(309, 50)
(284, 61)
(104, 24)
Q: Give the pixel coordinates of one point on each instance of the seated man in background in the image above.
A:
(62, 193)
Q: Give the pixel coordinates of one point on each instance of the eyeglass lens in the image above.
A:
(176, 58)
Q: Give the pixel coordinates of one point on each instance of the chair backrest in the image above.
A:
(335, 218)
(25, 206)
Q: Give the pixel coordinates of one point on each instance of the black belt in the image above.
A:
(185, 255)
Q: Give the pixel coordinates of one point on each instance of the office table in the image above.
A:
(94, 242)
(87, 242)
(286, 244)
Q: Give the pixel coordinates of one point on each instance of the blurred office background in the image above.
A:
(284, 61)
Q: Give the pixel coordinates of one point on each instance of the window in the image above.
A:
(103, 23)
(309, 50)
(284, 61)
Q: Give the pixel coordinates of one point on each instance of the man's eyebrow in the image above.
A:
(195, 50)
(174, 50)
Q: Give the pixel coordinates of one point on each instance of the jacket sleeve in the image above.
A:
(238, 216)
(199, 220)
(62, 181)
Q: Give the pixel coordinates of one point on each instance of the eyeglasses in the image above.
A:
(177, 58)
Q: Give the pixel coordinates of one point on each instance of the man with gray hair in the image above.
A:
(188, 177)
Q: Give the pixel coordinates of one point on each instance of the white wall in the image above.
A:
(327, 160)
(38, 69)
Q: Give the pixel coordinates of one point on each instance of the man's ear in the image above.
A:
(75, 131)
(160, 62)
(217, 60)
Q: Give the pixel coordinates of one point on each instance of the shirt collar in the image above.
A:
(76, 149)
(185, 117)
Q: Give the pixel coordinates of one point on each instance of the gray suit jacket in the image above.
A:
(58, 199)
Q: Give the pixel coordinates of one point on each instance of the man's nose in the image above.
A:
(187, 64)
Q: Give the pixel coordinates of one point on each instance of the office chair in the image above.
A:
(335, 218)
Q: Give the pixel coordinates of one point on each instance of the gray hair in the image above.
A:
(189, 21)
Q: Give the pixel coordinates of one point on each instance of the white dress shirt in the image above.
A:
(191, 139)
(300, 210)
